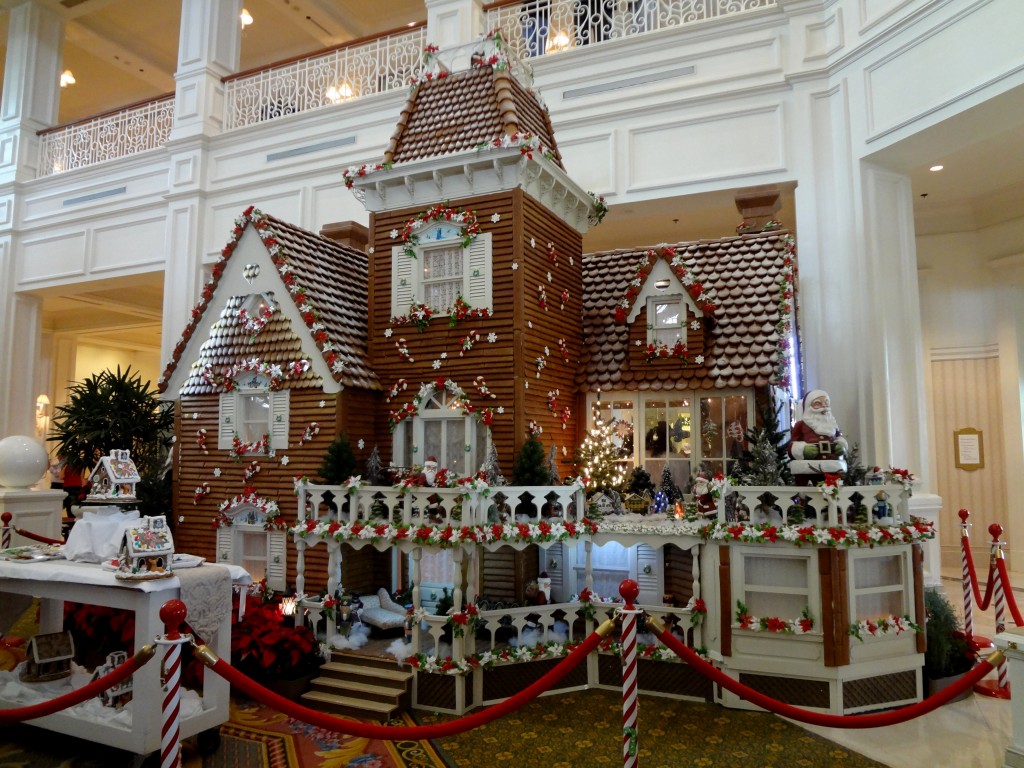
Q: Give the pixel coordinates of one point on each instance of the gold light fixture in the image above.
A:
(66, 78)
(337, 94)
(246, 18)
(559, 41)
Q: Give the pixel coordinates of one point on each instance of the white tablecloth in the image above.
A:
(97, 536)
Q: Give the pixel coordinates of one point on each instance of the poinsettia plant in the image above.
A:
(264, 647)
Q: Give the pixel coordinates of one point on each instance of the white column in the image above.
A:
(451, 23)
(1011, 643)
(31, 87)
(209, 44)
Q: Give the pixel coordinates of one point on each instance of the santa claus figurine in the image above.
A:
(816, 444)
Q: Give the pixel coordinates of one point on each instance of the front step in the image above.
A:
(366, 687)
(362, 709)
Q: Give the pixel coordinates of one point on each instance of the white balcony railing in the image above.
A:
(350, 72)
(538, 27)
(128, 131)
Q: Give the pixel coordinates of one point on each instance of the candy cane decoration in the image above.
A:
(630, 591)
(966, 573)
(6, 517)
(172, 614)
(985, 687)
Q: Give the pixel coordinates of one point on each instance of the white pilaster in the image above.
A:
(208, 49)
(183, 275)
(31, 87)
(451, 23)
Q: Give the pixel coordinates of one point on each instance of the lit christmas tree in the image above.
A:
(374, 469)
(490, 468)
(598, 456)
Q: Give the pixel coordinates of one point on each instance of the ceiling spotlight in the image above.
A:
(66, 78)
(246, 18)
(936, 168)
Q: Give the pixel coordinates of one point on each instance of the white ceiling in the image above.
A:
(123, 51)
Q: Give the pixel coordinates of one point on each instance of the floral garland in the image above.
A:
(463, 622)
(698, 611)
(440, 212)
(461, 310)
(600, 208)
(310, 315)
(253, 324)
(534, 428)
(272, 518)
(527, 143)
(445, 537)
(883, 626)
(799, 626)
(418, 313)
(694, 288)
(350, 174)
(564, 299)
(396, 417)
(785, 294)
(274, 372)
(239, 448)
(659, 350)
(800, 535)
(563, 349)
(542, 297)
(494, 53)
(901, 476)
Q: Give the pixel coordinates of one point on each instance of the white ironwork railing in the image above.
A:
(128, 131)
(538, 27)
(382, 64)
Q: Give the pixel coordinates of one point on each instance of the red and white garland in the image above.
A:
(272, 519)
(884, 625)
(200, 493)
(466, 342)
(659, 350)
(350, 174)
(799, 626)
(440, 212)
(396, 417)
(311, 316)
(527, 144)
(785, 296)
(240, 448)
(275, 373)
(253, 324)
(252, 470)
(695, 289)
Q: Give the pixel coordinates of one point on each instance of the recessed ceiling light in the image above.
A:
(936, 168)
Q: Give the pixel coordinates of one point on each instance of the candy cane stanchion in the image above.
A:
(977, 642)
(6, 543)
(1000, 688)
(172, 614)
(630, 591)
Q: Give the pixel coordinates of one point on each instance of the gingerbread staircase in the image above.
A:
(365, 687)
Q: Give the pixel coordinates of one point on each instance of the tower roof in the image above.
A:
(482, 106)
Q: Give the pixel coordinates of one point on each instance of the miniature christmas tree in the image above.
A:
(767, 460)
(531, 467)
(598, 456)
(374, 470)
(640, 481)
(856, 472)
(553, 468)
(669, 488)
(339, 463)
(490, 468)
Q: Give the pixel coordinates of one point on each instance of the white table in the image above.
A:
(59, 580)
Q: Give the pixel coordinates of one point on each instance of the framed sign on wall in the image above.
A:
(969, 449)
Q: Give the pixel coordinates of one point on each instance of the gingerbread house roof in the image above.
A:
(326, 281)
(752, 279)
(467, 110)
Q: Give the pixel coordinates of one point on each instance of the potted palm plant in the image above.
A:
(949, 654)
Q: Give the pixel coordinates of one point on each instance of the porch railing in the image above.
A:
(538, 27)
(112, 135)
(356, 69)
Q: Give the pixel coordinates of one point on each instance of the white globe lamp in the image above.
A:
(23, 461)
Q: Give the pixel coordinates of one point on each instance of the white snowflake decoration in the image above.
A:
(322, 404)
(699, 359)
(444, 355)
(533, 243)
(361, 444)
(436, 364)
(284, 461)
(393, 234)
(515, 265)
(492, 337)
(496, 218)
(195, 415)
(695, 325)
(216, 471)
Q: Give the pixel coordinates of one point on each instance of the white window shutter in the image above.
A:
(224, 544)
(226, 426)
(279, 419)
(478, 272)
(403, 281)
(277, 560)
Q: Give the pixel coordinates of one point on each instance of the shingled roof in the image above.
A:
(480, 106)
(326, 280)
(751, 277)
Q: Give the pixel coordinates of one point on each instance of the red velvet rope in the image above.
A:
(77, 696)
(1011, 601)
(37, 537)
(982, 604)
(404, 733)
(874, 720)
